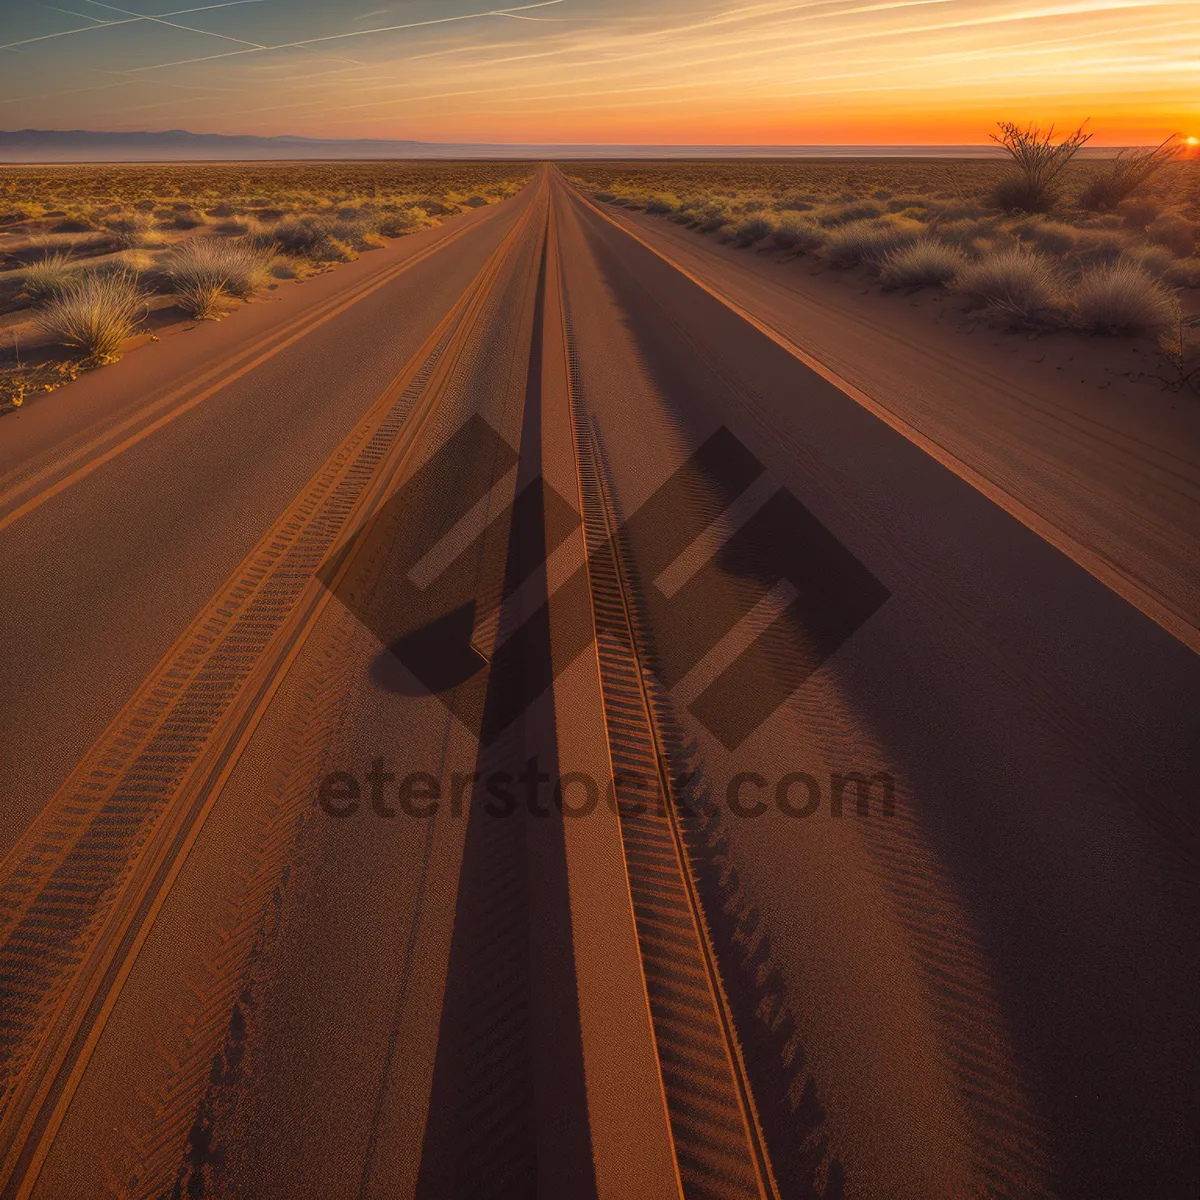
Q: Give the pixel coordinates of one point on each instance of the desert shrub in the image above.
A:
(1037, 163)
(476, 202)
(233, 225)
(1100, 245)
(1173, 232)
(1121, 177)
(900, 203)
(1051, 237)
(182, 220)
(713, 217)
(869, 240)
(405, 220)
(96, 314)
(136, 231)
(1016, 283)
(357, 232)
(1154, 260)
(926, 261)
(963, 233)
(206, 272)
(1122, 298)
(605, 197)
(1138, 213)
(75, 224)
(311, 237)
(48, 277)
(662, 203)
(793, 232)
(753, 229)
(1184, 272)
(795, 202)
(136, 261)
(843, 214)
(954, 209)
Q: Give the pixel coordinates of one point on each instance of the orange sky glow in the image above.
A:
(648, 71)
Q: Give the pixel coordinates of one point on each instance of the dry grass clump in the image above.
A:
(48, 277)
(1050, 237)
(319, 239)
(662, 203)
(206, 273)
(1019, 284)
(1127, 172)
(753, 229)
(1122, 299)
(712, 217)
(927, 261)
(1100, 245)
(402, 221)
(794, 232)
(136, 231)
(796, 202)
(1184, 273)
(843, 214)
(869, 241)
(96, 314)
(1138, 212)
(1154, 260)
(964, 233)
(1174, 232)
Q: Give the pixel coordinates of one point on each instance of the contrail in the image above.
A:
(334, 37)
(45, 37)
(173, 25)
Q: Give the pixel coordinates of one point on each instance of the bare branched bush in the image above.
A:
(1123, 175)
(1038, 161)
(1122, 298)
(96, 314)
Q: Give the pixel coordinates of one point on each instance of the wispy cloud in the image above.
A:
(620, 65)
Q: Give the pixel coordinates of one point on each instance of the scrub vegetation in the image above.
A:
(91, 255)
(1041, 238)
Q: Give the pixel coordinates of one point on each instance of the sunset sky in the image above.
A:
(680, 71)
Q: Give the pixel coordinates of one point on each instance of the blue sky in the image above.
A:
(806, 71)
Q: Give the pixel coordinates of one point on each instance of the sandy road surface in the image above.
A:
(689, 562)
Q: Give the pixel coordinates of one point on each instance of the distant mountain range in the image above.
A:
(82, 145)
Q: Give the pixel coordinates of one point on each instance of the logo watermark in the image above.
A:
(779, 556)
(420, 795)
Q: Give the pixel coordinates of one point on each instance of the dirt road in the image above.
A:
(504, 723)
